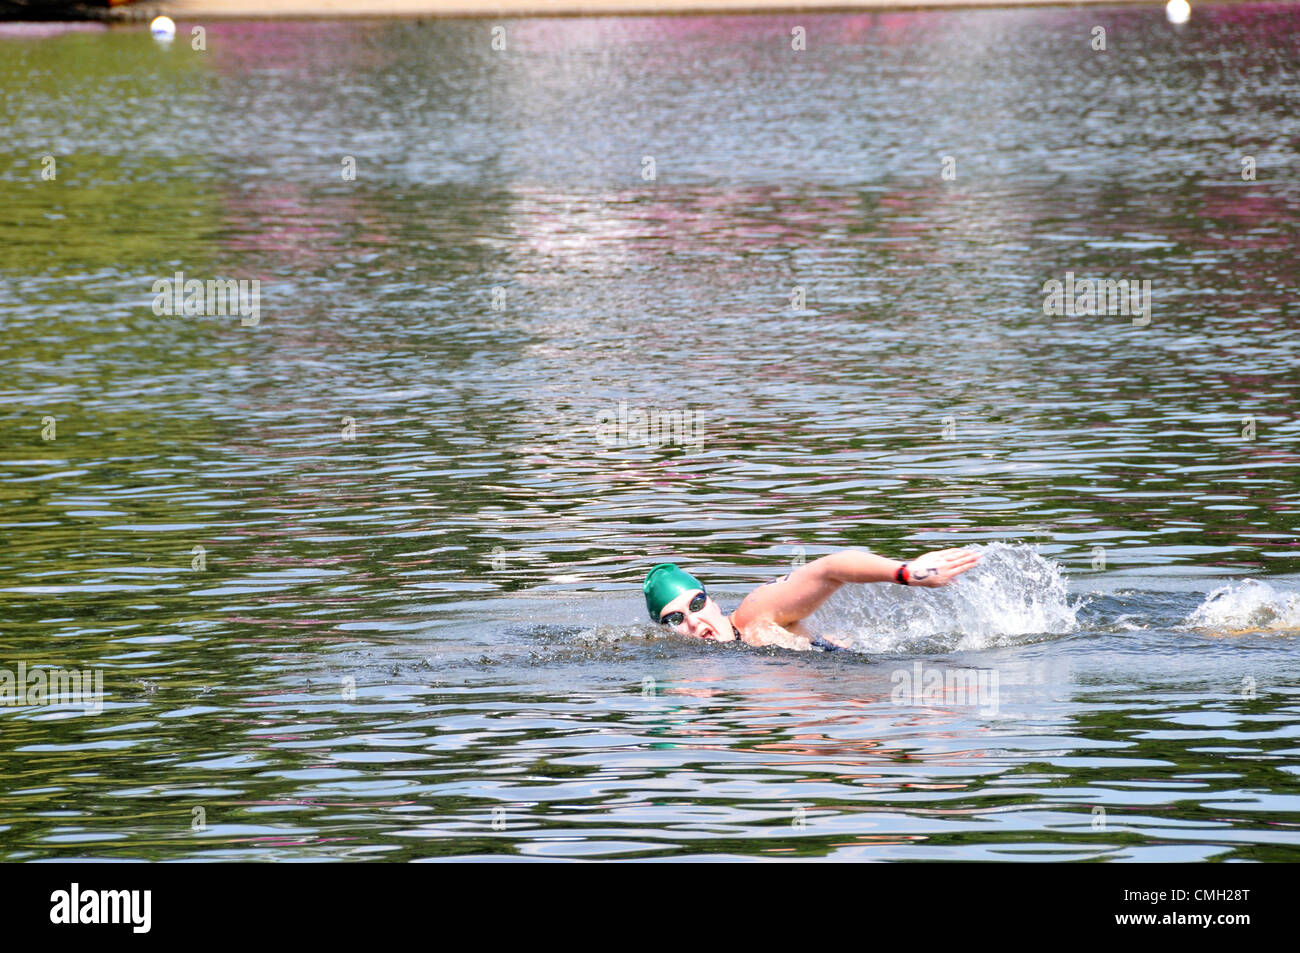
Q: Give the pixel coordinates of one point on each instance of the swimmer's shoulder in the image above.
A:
(756, 607)
(758, 628)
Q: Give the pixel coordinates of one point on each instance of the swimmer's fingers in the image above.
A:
(960, 564)
(957, 553)
(941, 567)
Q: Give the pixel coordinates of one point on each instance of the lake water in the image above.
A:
(360, 570)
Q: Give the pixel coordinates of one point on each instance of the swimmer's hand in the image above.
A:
(767, 632)
(788, 640)
(940, 567)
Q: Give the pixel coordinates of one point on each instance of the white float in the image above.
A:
(164, 29)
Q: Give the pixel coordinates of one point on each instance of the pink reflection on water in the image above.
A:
(317, 48)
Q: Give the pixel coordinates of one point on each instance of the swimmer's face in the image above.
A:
(704, 621)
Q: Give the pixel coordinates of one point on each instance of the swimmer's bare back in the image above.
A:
(772, 614)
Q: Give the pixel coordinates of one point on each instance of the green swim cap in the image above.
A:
(665, 583)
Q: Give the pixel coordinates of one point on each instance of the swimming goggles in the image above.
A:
(676, 618)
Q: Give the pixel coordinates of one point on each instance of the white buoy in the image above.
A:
(164, 29)
(1178, 11)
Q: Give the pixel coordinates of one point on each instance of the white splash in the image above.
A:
(1014, 592)
(1248, 606)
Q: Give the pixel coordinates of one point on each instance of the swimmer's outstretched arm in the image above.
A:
(798, 595)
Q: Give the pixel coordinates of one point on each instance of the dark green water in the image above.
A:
(424, 638)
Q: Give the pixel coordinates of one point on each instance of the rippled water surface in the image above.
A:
(362, 579)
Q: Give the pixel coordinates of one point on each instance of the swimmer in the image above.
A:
(772, 614)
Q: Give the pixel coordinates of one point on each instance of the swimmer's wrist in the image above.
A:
(902, 575)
